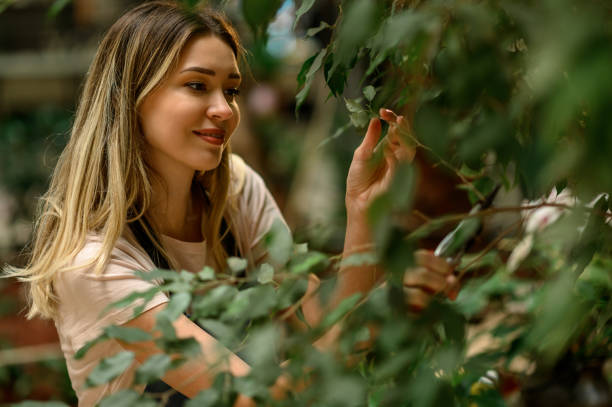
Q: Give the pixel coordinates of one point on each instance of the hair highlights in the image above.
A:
(101, 181)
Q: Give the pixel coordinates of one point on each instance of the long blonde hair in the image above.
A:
(101, 181)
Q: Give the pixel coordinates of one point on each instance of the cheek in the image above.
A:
(236, 117)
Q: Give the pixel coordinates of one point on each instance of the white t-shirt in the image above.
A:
(83, 296)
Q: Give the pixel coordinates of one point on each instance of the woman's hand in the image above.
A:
(431, 275)
(367, 179)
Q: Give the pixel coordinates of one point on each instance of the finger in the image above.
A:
(397, 136)
(366, 148)
(416, 298)
(427, 259)
(388, 115)
(452, 287)
(420, 277)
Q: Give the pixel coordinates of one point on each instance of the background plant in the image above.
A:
(508, 93)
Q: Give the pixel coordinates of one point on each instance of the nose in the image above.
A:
(219, 108)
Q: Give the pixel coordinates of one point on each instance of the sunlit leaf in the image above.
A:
(265, 274)
(341, 310)
(109, 368)
(369, 92)
(127, 334)
(126, 398)
(205, 398)
(251, 303)
(304, 7)
(315, 30)
(206, 274)
(279, 243)
(153, 368)
(236, 264)
(213, 301)
(304, 263)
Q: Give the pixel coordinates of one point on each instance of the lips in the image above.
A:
(213, 136)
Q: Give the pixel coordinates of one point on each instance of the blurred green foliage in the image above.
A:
(512, 93)
(29, 146)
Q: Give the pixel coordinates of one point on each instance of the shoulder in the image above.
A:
(124, 258)
(244, 179)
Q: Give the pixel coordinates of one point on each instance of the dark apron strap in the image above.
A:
(229, 244)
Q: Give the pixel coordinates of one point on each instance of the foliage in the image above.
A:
(509, 93)
(36, 138)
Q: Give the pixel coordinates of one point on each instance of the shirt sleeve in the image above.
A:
(258, 211)
(85, 297)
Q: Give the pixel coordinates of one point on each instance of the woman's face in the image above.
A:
(188, 120)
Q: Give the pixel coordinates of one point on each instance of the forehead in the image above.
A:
(208, 52)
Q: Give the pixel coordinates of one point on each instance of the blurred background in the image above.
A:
(45, 50)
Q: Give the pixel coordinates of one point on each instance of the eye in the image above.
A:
(232, 93)
(197, 86)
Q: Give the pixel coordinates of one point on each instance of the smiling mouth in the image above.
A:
(212, 136)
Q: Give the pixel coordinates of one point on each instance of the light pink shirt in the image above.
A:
(84, 296)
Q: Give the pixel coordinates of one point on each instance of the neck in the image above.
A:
(176, 209)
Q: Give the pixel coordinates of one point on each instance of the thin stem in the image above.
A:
(488, 248)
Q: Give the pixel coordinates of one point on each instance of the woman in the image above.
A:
(147, 180)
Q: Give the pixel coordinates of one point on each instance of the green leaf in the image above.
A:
(109, 368)
(205, 398)
(29, 403)
(206, 274)
(158, 274)
(369, 92)
(265, 274)
(402, 186)
(153, 368)
(57, 7)
(252, 303)
(304, 263)
(177, 305)
(359, 22)
(336, 77)
(279, 243)
(290, 291)
(174, 309)
(225, 333)
(455, 240)
(250, 386)
(212, 302)
(360, 119)
(315, 30)
(85, 348)
(146, 296)
(123, 398)
(300, 248)
(127, 334)
(259, 13)
(301, 78)
(312, 69)
(165, 326)
(188, 347)
(340, 311)
(236, 264)
(304, 7)
(353, 105)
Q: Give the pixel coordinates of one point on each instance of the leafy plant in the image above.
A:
(509, 93)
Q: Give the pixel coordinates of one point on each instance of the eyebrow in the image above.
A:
(210, 72)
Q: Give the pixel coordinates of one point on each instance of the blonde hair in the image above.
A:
(101, 181)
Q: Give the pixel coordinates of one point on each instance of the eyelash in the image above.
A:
(199, 87)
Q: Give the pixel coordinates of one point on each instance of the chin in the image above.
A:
(208, 164)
